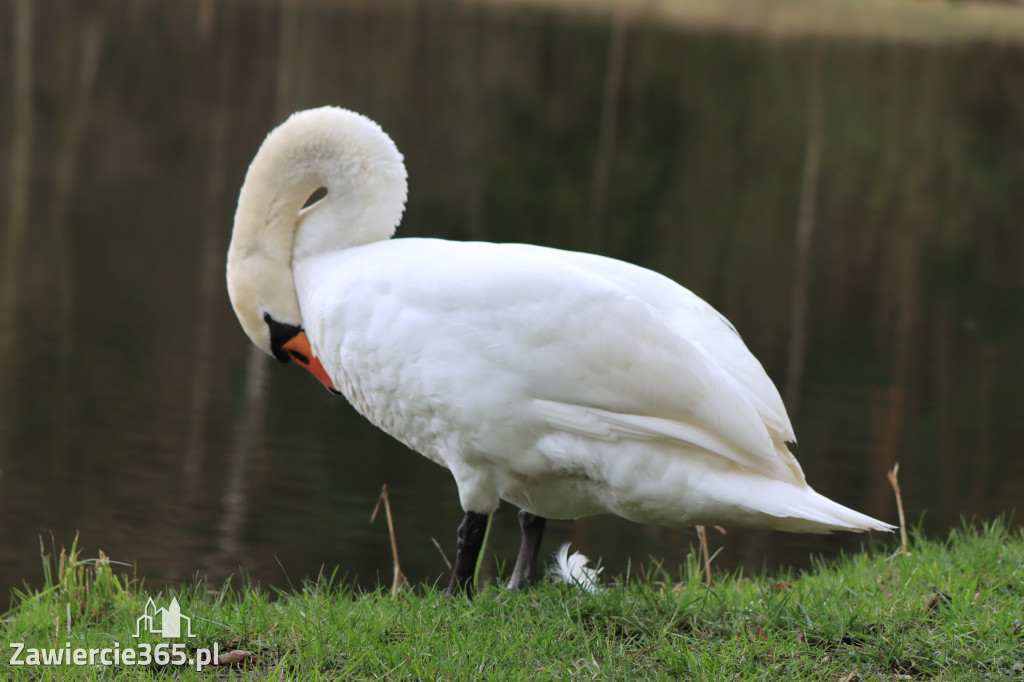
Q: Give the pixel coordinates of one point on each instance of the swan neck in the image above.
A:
(339, 150)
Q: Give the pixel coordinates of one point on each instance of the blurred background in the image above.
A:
(844, 181)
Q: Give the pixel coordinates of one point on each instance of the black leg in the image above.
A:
(471, 539)
(525, 572)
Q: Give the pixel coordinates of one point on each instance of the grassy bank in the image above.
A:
(950, 609)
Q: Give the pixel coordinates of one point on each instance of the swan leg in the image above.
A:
(471, 540)
(525, 572)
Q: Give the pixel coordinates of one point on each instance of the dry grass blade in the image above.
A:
(702, 533)
(894, 481)
(443, 555)
(399, 578)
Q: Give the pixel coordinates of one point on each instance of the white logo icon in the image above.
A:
(163, 622)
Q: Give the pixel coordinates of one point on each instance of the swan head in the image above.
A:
(331, 149)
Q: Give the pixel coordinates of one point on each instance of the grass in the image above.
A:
(948, 610)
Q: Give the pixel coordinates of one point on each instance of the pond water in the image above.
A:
(854, 207)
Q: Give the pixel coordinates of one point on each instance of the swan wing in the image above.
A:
(706, 329)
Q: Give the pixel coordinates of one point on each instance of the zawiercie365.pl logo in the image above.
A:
(167, 622)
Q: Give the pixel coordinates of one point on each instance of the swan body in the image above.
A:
(566, 383)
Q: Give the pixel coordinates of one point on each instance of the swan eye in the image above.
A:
(318, 194)
(301, 357)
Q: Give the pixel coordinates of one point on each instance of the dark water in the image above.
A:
(855, 208)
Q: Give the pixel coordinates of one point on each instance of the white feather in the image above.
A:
(573, 570)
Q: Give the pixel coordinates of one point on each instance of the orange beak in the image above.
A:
(298, 348)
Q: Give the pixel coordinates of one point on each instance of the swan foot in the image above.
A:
(525, 572)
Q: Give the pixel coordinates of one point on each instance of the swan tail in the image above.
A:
(573, 569)
(812, 512)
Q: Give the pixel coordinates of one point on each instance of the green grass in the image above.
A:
(951, 609)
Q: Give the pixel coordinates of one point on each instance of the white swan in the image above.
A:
(566, 383)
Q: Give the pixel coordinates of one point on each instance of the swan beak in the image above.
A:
(298, 348)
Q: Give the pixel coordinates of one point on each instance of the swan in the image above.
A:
(566, 383)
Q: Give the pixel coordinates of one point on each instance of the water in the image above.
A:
(852, 206)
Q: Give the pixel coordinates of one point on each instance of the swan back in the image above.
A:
(332, 148)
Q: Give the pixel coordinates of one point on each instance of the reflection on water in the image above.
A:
(852, 207)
